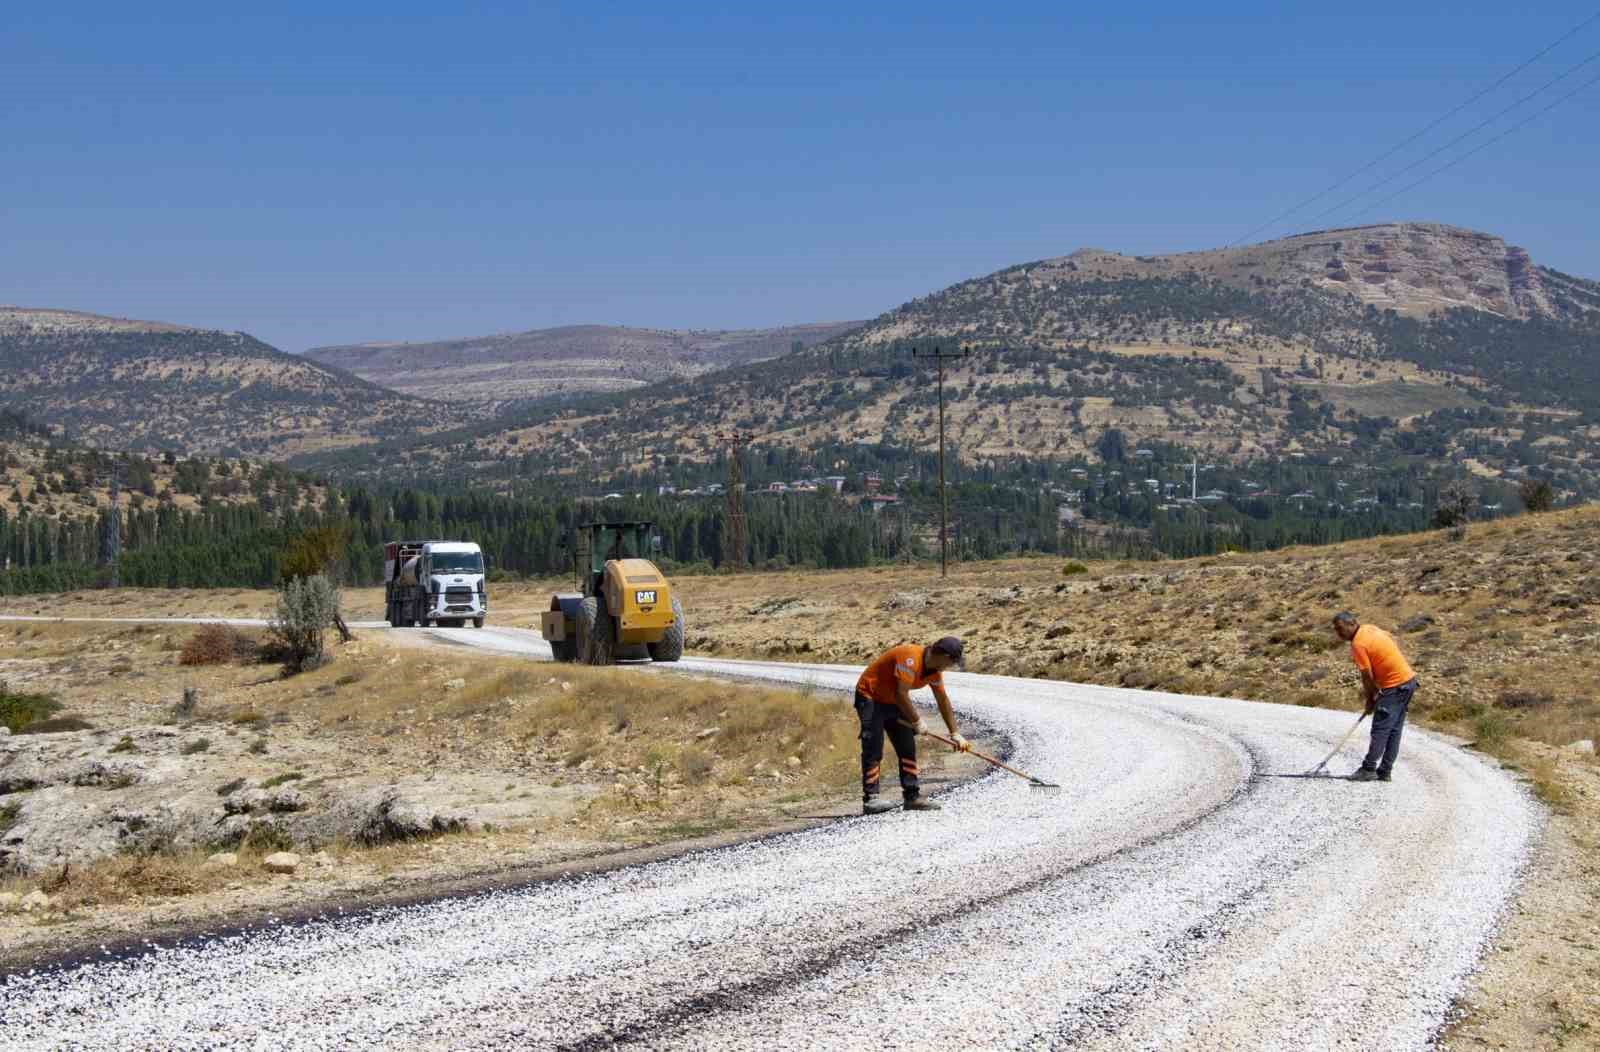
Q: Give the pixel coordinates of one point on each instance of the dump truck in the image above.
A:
(434, 582)
(623, 608)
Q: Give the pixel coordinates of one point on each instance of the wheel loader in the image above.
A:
(626, 609)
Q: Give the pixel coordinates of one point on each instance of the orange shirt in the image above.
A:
(1375, 651)
(901, 664)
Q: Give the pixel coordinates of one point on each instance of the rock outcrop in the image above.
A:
(1415, 269)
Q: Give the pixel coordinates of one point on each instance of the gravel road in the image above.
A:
(1176, 894)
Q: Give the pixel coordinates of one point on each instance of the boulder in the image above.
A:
(455, 684)
(35, 900)
(1583, 748)
(709, 732)
(281, 862)
(108, 774)
(9, 900)
(222, 860)
(247, 802)
(286, 800)
(382, 814)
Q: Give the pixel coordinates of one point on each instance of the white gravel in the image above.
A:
(1173, 895)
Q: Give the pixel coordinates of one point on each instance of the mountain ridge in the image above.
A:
(563, 360)
(1242, 353)
(118, 383)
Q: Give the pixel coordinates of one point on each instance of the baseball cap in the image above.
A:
(950, 646)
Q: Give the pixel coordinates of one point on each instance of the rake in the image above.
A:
(1032, 781)
(1317, 771)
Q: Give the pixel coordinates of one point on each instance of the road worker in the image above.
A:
(1387, 684)
(883, 702)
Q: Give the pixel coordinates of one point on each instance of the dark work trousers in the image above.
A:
(1388, 719)
(877, 720)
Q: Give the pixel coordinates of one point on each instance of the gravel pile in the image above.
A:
(1174, 895)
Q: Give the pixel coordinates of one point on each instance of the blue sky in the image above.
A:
(411, 171)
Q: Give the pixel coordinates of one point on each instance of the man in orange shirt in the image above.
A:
(883, 702)
(1387, 683)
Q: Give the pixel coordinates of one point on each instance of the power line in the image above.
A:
(1481, 146)
(1574, 31)
(1457, 140)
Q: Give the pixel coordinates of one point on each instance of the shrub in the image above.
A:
(198, 745)
(17, 710)
(185, 709)
(1073, 568)
(1491, 730)
(1455, 505)
(696, 765)
(229, 788)
(279, 779)
(1524, 699)
(210, 645)
(306, 607)
(1537, 495)
(57, 725)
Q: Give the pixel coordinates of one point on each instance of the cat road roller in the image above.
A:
(626, 610)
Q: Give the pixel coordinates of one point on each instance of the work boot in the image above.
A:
(917, 803)
(874, 805)
(1385, 776)
(1364, 775)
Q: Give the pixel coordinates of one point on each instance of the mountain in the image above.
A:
(1392, 340)
(116, 383)
(568, 360)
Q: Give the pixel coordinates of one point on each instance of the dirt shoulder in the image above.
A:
(393, 774)
(1539, 986)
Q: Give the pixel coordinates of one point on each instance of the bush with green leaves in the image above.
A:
(306, 607)
(18, 709)
(1537, 495)
(1456, 501)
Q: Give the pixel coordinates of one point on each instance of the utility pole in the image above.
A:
(734, 546)
(1194, 479)
(940, 357)
(111, 530)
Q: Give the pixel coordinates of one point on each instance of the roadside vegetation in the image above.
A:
(478, 765)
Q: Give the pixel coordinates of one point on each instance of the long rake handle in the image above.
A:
(1336, 748)
(985, 757)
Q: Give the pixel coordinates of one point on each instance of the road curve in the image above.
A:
(1174, 894)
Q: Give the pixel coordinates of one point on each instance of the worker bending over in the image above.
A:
(1387, 685)
(883, 701)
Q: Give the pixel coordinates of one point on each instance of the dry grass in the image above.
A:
(139, 877)
(624, 720)
(216, 645)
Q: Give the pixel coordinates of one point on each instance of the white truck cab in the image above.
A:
(453, 578)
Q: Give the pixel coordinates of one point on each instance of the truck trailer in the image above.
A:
(434, 583)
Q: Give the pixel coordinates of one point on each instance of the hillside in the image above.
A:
(569, 360)
(1246, 353)
(121, 384)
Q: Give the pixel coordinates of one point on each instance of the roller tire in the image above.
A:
(670, 647)
(597, 634)
(565, 650)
